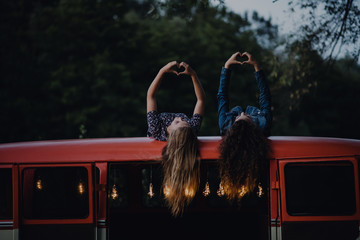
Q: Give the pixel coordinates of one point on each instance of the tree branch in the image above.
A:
(343, 27)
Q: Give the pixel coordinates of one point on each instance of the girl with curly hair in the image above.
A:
(180, 156)
(244, 147)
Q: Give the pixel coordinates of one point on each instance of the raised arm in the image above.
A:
(265, 95)
(151, 104)
(199, 91)
(222, 95)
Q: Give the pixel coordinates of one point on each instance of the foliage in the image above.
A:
(334, 103)
(81, 68)
(331, 25)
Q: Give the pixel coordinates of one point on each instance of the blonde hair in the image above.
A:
(181, 167)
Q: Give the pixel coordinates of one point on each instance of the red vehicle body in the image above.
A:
(99, 189)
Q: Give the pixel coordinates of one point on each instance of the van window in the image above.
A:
(55, 193)
(320, 188)
(133, 202)
(5, 193)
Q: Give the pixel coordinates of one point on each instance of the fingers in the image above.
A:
(184, 64)
(246, 54)
(236, 54)
(173, 63)
(173, 71)
(168, 67)
(251, 60)
(188, 70)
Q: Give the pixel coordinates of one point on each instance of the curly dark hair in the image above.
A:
(244, 151)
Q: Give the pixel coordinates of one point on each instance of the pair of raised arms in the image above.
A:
(199, 91)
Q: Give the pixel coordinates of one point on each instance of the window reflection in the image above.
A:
(118, 186)
(55, 193)
(151, 179)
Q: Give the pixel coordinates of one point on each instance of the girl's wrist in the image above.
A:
(193, 75)
(256, 67)
(162, 71)
(227, 65)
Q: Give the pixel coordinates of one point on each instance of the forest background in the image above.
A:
(81, 68)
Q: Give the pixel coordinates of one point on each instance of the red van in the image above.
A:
(111, 189)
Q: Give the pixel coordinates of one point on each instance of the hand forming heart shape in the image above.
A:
(180, 68)
(242, 57)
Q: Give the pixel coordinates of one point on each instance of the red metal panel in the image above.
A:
(101, 191)
(70, 151)
(142, 149)
(16, 196)
(309, 147)
(274, 191)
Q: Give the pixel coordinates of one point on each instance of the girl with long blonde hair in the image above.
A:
(180, 157)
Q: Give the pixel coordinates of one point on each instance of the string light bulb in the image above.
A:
(260, 193)
(151, 188)
(220, 192)
(242, 191)
(39, 185)
(206, 191)
(81, 188)
(114, 193)
(151, 191)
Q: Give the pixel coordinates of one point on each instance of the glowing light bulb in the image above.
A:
(166, 191)
(206, 191)
(220, 192)
(39, 185)
(151, 192)
(114, 193)
(260, 193)
(242, 191)
(81, 188)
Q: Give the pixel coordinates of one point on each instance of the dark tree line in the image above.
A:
(81, 68)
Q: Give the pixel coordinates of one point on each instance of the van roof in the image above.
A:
(144, 149)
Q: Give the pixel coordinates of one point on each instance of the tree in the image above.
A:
(81, 68)
(331, 25)
(332, 109)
